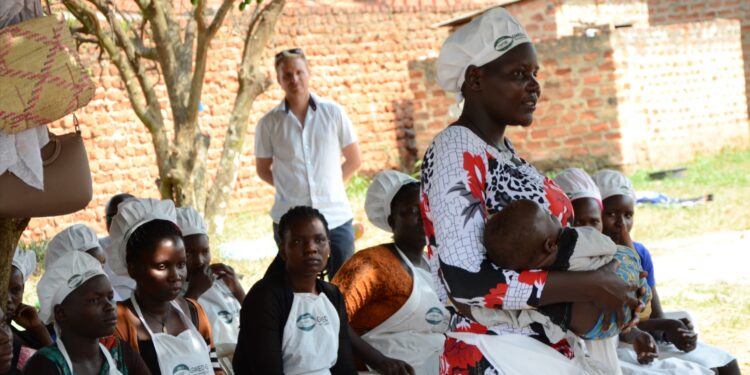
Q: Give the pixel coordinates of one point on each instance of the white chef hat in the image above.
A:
(383, 188)
(77, 237)
(25, 261)
(613, 183)
(131, 214)
(481, 41)
(61, 278)
(190, 221)
(576, 183)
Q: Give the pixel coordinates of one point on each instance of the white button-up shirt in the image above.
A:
(306, 164)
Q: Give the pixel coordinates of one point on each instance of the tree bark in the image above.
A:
(181, 65)
(10, 232)
(252, 83)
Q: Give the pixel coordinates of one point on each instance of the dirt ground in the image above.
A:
(708, 276)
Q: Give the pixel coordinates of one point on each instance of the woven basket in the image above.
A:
(41, 79)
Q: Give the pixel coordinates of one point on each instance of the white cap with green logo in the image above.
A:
(481, 41)
(61, 278)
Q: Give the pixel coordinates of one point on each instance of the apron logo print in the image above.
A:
(181, 369)
(306, 322)
(434, 316)
(226, 316)
(75, 281)
(503, 43)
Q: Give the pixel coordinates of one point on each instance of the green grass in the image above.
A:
(726, 176)
(720, 310)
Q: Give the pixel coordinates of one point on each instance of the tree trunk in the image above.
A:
(10, 232)
(252, 83)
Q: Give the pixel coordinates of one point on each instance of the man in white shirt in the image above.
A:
(298, 149)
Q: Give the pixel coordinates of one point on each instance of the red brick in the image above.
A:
(592, 79)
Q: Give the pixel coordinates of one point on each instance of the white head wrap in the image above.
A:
(383, 188)
(613, 183)
(576, 183)
(61, 278)
(131, 214)
(190, 221)
(25, 261)
(479, 42)
(77, 237)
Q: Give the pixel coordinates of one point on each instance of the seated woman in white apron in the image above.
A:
(76, 295)
(171, 333)
(291, 321)
(388, 289)
(214, 286)
(676, 336)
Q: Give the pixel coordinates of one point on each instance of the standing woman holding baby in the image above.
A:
(470, 171)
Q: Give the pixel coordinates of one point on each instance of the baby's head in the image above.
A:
(522, 236)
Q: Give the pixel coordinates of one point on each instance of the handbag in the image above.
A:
(67, 181)
(41, 79)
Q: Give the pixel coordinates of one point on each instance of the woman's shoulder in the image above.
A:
(458, 137)
(330, 290)
(379, 255)
(267, 291)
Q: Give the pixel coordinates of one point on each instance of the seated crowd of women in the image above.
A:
(147, 300)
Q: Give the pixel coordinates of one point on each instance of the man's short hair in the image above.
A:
(289, 54)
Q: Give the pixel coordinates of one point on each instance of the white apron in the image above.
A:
(605, 351)
(184, 354)
(223, 311)
(698, 361)
(415, 333)
(310, 343)
(660, 366)
(107, 357)
(703, 354)
(519, 354)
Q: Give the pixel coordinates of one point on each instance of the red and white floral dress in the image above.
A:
(464, 179)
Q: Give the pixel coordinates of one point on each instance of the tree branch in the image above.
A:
(205, 36)
(141, 92)
(252, 83)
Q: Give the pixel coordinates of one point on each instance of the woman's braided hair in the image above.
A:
(297, 213)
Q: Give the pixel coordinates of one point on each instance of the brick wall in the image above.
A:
(680, 91)
(576, 117)
(359, 56)
(650, 97)
(663, 12)
(574, 15)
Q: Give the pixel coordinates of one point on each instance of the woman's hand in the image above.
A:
(609, 293)
(226, 274)
(27, 317)
(645, 348)
(681, 334)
